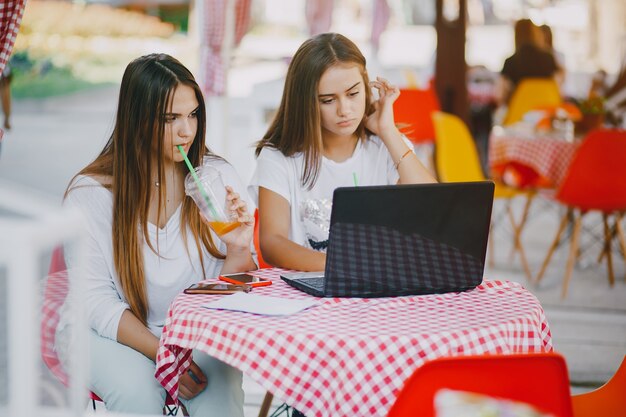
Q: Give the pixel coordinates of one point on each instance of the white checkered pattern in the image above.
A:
(212, 66)
(548, 157)
(350, 356)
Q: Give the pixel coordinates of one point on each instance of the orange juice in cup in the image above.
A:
(221, 228)
(208, 191)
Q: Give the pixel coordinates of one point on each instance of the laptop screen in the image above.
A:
(408, 239)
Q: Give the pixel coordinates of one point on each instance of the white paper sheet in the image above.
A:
(261, 304)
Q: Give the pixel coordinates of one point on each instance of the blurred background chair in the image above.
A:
(531, 94)
(55, 292)
(412, 112)
(257, 245)
(595, 181)
(608, 400)
(538, 379)
(456, 160)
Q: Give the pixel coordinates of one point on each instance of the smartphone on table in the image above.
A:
(216, 288)
(245, 279)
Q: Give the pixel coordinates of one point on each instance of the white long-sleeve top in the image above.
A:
(166, 275)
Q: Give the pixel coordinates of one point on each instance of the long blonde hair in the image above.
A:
(146, 92)
(297, 124)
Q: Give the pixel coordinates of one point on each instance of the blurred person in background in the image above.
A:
(615, 104)
(599, 85)
(530, 60)
(546, 31)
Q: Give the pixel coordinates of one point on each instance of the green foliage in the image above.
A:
(40, 78)
(592, 105)
(85, 20)
(176, 15)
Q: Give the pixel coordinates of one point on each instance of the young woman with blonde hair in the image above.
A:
(147, 242)
(328, 132)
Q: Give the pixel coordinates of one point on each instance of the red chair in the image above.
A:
(412, 112)
(608, 400)
(594, 182)
(257, 246)
(538, 379)
(55, 291)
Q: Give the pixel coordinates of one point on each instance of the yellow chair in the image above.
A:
(530, 94)
(457, 160)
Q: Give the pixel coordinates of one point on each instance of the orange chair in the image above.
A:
(607, 401)
(257, 246)
(412, 112)
(531, 94)
(594, 182)
(538, 379)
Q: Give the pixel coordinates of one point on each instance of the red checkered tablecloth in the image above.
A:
(10, 19)
(547, 157)
(350, 356)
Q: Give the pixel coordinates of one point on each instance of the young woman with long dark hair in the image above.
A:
(147, 242)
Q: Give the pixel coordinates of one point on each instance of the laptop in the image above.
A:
(403, 240)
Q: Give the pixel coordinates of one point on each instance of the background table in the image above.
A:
(548, 157)
(350, 356)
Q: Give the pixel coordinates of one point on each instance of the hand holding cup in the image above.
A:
(241, 236)
(221, 207)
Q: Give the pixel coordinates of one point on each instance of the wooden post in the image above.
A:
(450, 67)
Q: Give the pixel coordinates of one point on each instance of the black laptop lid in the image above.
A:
(408, 239)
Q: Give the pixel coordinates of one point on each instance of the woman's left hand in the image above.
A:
(238, 239)
(382, 119)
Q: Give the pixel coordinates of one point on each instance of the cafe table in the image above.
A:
(349, 356)
(539, 159)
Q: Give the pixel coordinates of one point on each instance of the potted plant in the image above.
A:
(592, 110)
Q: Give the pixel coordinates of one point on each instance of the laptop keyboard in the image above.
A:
(317, 282)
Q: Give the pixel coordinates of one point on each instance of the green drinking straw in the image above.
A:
(356, 182)
(197, 180)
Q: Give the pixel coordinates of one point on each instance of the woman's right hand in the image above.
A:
(188, 387)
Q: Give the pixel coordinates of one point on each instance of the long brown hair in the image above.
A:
(527, 33)
(297, 124)
(146, 93)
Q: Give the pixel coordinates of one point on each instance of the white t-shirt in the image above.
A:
(166, 275)
(370, 163)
